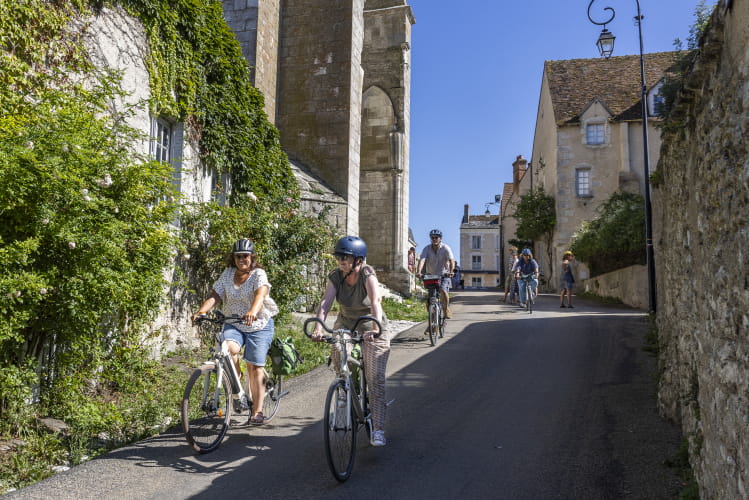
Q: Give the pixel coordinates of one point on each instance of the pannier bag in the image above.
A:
(284, 356)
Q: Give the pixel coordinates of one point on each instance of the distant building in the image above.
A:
(588, 143)
(480, 249)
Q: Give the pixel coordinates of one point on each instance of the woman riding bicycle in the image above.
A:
(354, 284)
(243, 288)
(527, 265)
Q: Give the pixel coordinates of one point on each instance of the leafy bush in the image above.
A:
(616, 238)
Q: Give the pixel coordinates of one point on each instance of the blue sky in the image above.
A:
(476, 77)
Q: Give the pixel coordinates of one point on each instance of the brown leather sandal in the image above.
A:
(257, 418)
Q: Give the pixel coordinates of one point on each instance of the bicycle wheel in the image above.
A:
(272, 396)
(443, 318)
(531, 298)
(206, 409)
(434, 319)
(339, 432)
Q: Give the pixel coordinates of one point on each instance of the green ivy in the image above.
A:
(199, 76)
(83, 221)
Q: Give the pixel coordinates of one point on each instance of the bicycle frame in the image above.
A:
(222, 359)
(340, 433)
(346, 376)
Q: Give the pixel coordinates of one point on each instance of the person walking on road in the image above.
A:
(437, 259)
(354, 285)
(510, 283)
(567, 280)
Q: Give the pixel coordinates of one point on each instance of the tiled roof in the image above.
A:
(575, 83)
(481, 220)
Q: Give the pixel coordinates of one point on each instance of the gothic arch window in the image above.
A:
(377, 127)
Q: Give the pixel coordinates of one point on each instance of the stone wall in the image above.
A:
(256, 24)
(383, 189)
(630, 285)
(701, 222)
(320, 88)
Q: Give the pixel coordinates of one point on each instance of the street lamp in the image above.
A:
(498, 202)
(605, 45)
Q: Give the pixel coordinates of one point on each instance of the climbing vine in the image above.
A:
(199, 76)
(85, 234)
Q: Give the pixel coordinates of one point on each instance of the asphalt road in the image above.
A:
(559, 404)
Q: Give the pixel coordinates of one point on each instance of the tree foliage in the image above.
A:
(84, 233)
(537, 218)
(85, 222)
(616, 237)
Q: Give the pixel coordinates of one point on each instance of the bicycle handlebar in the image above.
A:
(356, 336)
(218, 318)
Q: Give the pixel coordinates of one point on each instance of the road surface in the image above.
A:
(559, 404)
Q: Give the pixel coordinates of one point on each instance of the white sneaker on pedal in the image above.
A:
(378, 438)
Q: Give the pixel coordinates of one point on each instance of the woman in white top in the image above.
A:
(243, 288)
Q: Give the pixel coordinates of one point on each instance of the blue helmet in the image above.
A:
(527, 251)
(351, 245)
(435, 232)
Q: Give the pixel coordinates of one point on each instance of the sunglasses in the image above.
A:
(435, 237)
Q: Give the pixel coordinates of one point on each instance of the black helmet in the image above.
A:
(435, 232)
(243, 246)
(351, 245)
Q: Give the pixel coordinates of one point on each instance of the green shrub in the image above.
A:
(615, 238)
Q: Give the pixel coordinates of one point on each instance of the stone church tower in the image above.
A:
(336, 79)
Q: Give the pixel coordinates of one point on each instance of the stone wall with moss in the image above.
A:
(701, 223)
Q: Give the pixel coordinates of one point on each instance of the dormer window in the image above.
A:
(595, 133)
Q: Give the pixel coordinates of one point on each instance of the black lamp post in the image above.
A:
(498, 202)
(605, 45)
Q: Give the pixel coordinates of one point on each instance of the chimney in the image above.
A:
(465, 214)
(519, 166)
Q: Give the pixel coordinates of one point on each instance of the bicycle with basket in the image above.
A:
(436, 315)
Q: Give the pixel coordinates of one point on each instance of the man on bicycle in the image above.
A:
(527, 265)
(438, 260)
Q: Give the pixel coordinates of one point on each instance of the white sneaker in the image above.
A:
(378, 438)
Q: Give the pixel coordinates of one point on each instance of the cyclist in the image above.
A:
(525, 266)
(354, 285)
(438, 259)
(244, 289)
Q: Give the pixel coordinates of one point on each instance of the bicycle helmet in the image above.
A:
(435, 232)
(526, 251)
(351, 245)
(244, 245)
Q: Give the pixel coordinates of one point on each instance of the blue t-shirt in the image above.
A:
(526, 267)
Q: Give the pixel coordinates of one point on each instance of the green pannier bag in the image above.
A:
(284, 356)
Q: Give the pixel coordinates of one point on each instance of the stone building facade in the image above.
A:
(588, 142)
(701, 222)
(336, 78)
(480, 254)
